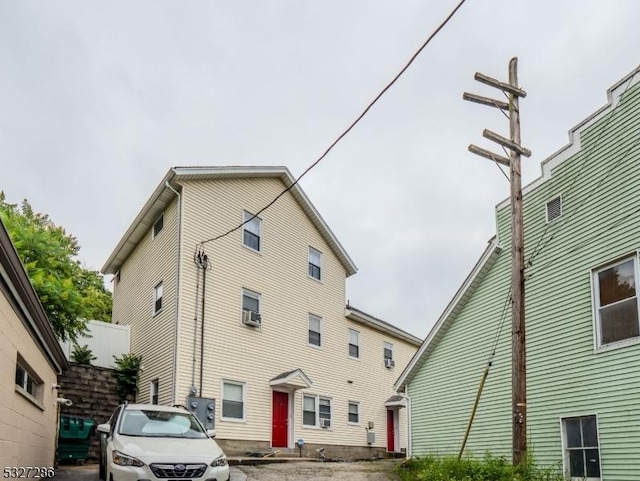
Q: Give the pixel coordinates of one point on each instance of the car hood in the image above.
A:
(168, 450)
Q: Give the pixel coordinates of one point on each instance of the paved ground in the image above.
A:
(294, 471)
(316, 471)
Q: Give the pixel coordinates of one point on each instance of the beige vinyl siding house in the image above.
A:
(32, 360)
(286, 266)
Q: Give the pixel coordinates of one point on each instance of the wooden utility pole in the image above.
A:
(518, 347)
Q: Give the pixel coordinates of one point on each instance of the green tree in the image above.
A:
(69, 293)
(82, 355)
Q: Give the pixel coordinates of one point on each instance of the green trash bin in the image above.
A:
(74, 437)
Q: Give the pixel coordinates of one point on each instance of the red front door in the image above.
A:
(391, 445)
(279, 423)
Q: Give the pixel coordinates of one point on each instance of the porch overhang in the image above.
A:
(293, 380)
(396, 402)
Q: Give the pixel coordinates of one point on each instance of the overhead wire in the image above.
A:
(348, 129)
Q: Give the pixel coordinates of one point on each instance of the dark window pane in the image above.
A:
(574, 439)
(388, 354)
(589, 432)
(325, 409)
(353, 417)
(231, 409)
(20, 374)
(314, 271)
(619, 321)
(593, 463)
(251, 240)
(314, 338)
(576, 463)
(617, 283)
(250, 303)
(309, 418)
(354, 351)
(157, 227)
(158, 304)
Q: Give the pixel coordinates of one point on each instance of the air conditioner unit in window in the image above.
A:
(388, 363)
(250, 318)
(325, 423)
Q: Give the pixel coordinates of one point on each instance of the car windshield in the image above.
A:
(160, 424)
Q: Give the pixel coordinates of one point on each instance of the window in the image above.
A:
(554, 208)
(232, 400)
(250, 301)
(616, 302)
(158, 225)
(315, 263)
(252, 231)
(312, 417)
(27, 383)
(354, 412)
(354, 344)
(582, 453)
(315, 330)
(153, 395)
(157, 298)
(387, 350)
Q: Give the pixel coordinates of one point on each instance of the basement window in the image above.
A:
(581, 448)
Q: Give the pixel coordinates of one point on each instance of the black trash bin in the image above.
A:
(74, 437)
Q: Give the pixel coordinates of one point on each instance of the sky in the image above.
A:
(99, 99)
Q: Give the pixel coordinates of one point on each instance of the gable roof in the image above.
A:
(16, 285)
(488, 258)
(470, 284)
(164, 194)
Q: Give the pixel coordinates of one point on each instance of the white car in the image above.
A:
(150, 442)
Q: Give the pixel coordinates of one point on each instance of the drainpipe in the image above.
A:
(175, 332)
(408, 398)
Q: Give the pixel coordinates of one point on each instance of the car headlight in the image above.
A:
(123, 460)
(219, 461)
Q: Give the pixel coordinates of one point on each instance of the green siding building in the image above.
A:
(582, 238)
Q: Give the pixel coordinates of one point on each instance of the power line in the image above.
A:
(353, 124)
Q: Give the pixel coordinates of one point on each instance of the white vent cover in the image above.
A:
(554, 208)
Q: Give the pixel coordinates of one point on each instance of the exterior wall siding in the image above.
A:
(28, 431)
(567, 374)
(279, 273)
(152, 336)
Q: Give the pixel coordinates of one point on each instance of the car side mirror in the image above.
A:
(104, 428)
(211, 433)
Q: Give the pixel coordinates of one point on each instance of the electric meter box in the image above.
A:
(204, 409)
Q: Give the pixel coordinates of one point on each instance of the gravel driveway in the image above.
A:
(316, 471)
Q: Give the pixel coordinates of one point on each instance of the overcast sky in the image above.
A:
(99, 99)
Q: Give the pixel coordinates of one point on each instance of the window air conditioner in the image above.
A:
(250, 318)
(325, 423)
(388, 363)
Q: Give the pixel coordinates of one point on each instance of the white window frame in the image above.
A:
(154, 391)
(319, 265)
(357, 405)
(253, 295)
(246, 215)
(595, 297)
(565, 449)
(349, 343)
(158, 295)
(243, 385)
(387, 346)
(316, 400)
(31, 385)
(319, 331)
(155, 234)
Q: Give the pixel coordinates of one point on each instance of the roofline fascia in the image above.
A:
(18, 283)
(361, 317)
(485, 261)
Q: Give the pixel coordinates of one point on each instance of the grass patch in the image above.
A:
(490, 468)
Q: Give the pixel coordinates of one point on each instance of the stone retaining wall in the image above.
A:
(93, 391)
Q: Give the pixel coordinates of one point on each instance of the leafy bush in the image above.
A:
(126, 372)
(490, 468)
(82, 355)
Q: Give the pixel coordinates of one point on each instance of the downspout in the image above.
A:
(409, 438)
(175, 332)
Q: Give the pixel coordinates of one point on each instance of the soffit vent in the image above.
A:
(554, 209)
